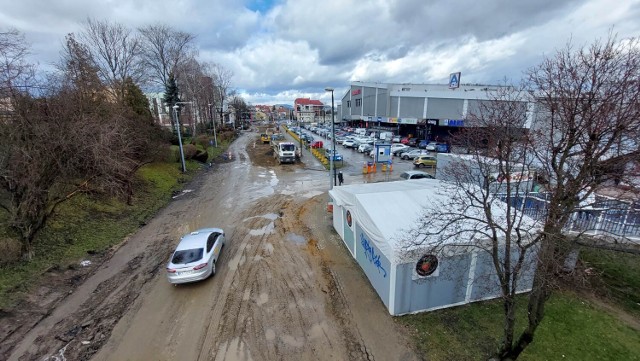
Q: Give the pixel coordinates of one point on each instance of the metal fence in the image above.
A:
(606, 216)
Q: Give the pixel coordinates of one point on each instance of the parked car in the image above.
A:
(413, 154)
(398, 146)
(413, 142)
(365, 148)
(337, 156)
(317, 144)
(438, 147)
(422, 161)
(404, 140)
(423, 144)
(400, 151)
(396, 139)
(349, 143)
(416, 174)
(196, 256)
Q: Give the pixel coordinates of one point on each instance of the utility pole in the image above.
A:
(213, 121)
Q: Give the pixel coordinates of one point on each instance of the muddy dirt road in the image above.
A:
(285, 288)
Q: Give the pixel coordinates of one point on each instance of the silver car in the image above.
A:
(196, 256)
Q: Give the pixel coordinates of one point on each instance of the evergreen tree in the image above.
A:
(136, 100)
(171, 97)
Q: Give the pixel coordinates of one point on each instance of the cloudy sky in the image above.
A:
(279, 50)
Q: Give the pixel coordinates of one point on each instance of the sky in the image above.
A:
(280, 50)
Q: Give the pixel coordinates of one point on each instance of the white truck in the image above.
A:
(283, 151)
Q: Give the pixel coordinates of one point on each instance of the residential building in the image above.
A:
(308, 110)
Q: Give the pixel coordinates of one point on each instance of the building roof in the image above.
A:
(307, 101)
(389, 211)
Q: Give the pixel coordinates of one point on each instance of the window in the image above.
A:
(211, 240)
(187, 256)
(406, 89)
(348, 103)
(358, 102)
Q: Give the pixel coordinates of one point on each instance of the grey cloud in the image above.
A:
(483, 20)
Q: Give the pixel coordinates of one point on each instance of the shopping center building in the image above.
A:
(425, 111)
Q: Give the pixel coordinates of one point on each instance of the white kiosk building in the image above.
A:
(373, 221)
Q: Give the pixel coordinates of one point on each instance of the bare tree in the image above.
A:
(69, 140)
(115, 50)
(195, 89)
(222, 83)
(577, 124)
(15, 72)
(163, 50)
(586, 134)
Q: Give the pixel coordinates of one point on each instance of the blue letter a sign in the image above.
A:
(454, 80)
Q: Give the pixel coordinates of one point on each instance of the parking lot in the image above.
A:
(355, 162)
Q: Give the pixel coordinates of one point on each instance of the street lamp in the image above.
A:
(175, 109)
(332, 168)
(213, 120)
(175, 113)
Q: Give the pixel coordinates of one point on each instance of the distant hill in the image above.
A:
(288, 106)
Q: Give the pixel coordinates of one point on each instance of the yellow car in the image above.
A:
(265, 138)
(422, 161)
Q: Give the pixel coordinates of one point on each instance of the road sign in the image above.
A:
(454, 80)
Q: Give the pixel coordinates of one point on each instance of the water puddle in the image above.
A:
(297, 239)
(311, 194)
(183, 192)
(269, 216)
(268, 229)
(262, 299)
(292, 341)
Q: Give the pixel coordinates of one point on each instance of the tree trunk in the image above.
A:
(26, 250)
(509, 325)
(538, 296)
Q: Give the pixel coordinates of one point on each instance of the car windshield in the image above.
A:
(187, 256)
(404, 175)
(288, 147)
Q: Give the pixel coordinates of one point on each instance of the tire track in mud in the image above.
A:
(282, 298)
(85, 329)
(94, 321)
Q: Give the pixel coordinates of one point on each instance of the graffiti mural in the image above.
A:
(371, 254)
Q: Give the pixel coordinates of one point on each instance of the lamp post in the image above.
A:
(175, 113)
(332, 168)
(213, 120)
(175, 109)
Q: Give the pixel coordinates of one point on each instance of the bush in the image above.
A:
(202, 140)
(190, 151)
(201, 156)
(9, 250)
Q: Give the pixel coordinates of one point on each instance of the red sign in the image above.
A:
(356, 92)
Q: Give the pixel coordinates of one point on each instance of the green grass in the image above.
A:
(575, 330)
(571, 330)
(620, 275)
(85, 224)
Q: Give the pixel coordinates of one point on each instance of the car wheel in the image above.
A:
(405, 157)
(213, 268)
(421, 165)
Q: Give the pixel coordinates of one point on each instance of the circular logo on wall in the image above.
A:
(349, 220)
(427, 265)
